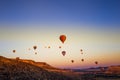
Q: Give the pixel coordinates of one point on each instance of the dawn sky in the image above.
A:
(91, 25)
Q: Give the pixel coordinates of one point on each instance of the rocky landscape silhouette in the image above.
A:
(18, 69)
(22, 69)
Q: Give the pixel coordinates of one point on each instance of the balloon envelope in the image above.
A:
(96, 62)
(48, 46)
(82, 60)
(59, 46)
(63, 53)
(62, 38)
(72, 61)
(35, 52)
(34, 47)
(81, 50)
(14, 51)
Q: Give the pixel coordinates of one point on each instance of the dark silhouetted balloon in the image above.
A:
(48, 46)
(14, 51)
(81, 50)
(59, 46)
(72, 61)
(82, 60)
(96, 62)
(62, 38)
(35, 52)
(34, 47)
(63, 53)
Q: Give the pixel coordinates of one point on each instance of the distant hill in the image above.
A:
(39, 64)
(19, 69)
(108, 70)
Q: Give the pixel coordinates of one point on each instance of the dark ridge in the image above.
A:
(12, 69)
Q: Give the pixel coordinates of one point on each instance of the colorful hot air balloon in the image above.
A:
(72, 61)
(62, 38)
(34, 47)
(14, 51)
(82, 60)
(96, 62)
(63, 53)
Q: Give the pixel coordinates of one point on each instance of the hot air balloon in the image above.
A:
(62, 38)
(96, 62)
(82, 60)
(35, 52)
(34, 47)
(59, 46)
(81, 50)
(63, 53)
(48, 46)
(14, 51)
(72, 61)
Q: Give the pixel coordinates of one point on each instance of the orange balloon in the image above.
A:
(82, 60)
(72, 61)
(62, 38)
(96, 62)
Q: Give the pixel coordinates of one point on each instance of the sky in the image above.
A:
(90, 25)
